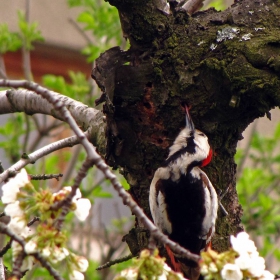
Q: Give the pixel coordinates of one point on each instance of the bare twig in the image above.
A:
(110, 263)
(46, 176)
(71, 165)
(86, 193)
(34, 220)
(42, 132)
(2, 67)
(27, 133)
(26, 61)
(33, 157)
(81, 31)
(5, 249)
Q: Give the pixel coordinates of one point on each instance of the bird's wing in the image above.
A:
(157, 202)
(211, 207)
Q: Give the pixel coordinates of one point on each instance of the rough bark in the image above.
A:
(224, 64)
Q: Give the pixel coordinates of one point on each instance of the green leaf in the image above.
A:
(99, 192)
(28, 31)
(9, 41)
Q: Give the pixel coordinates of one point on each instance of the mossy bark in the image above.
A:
(225, 65)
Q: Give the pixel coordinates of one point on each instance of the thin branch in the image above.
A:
(33, 157)
(43, 132)
(26, 61)
(110, 263)
(22, 100)
(34, 220)
(81, 31)
(2, 67)
(46, 176)
(71, 165)
(5, 229)
(86, 193)
(6, 248)
(48, 266)
(27, 133)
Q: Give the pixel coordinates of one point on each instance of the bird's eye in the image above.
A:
(201, 134)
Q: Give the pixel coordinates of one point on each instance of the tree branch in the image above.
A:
(22, 100)
(33, 157)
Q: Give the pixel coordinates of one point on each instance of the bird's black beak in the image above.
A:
(189, 122)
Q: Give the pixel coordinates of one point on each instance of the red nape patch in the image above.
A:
(208, 159)
(175, 265)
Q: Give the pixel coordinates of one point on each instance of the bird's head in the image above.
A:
(191, 144)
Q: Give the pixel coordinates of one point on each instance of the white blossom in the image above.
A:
(30, 247)
(11, 188)
(204, 269)
(267, 276)
(59, 254)
(17, 225)
(213, 268)
(76, 275)
(10, 192)
(77, 196)
(66, 190)
(242, 244)
(46, 252)
(22, 178)
(82, 263)
(129, 274)
(258, 266)
(13, 210)
(231, 272)
(244, 261)
(83, 206)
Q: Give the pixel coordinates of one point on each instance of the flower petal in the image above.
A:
(76, 275)
(13, 210)
(231, 272)
(83, 206)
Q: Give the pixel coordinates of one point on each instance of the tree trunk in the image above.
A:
(225, 65)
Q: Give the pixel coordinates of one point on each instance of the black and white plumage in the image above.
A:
(182, 200)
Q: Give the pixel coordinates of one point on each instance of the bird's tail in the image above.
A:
(190, 270)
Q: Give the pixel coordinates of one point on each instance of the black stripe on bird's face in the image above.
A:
(189, 149)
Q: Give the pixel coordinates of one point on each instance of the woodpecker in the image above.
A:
(182, 199)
